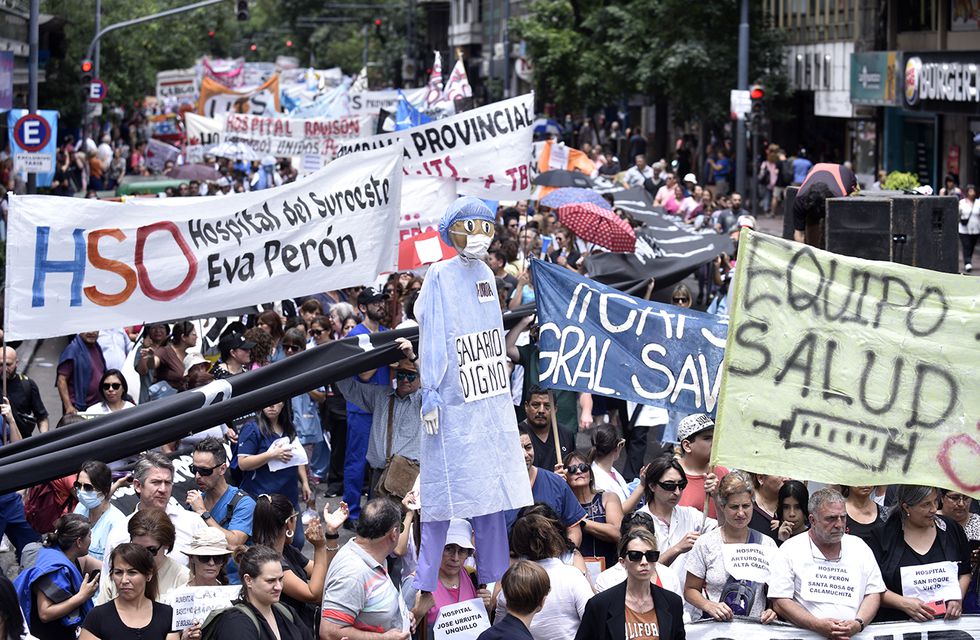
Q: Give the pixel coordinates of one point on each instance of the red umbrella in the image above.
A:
(424, 248)
(595, 224)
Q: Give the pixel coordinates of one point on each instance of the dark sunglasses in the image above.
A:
(673, 486)
(115, 386)
(682, 300)
(316, 332)
(290, 348)
(406, 376)
(203, 471)
(636, 556)
(578, 468)
(153, 550)
(83, 486)
(212, 559)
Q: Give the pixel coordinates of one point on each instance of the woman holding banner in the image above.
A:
(914, 550)
(711, 565)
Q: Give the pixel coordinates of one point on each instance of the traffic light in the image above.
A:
(377, 30)
(87, 68)
(241, 10)
(253, 47)
(289, 43)
(211, 34)
(758, 95)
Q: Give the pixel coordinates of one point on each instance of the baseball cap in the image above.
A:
(746, 221)
(369, 295)
(694, 424)
(235, 341)
(460, 533)
(690, 178)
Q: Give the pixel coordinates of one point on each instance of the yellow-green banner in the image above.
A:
(850, 371)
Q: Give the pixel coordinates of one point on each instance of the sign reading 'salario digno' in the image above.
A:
(942, 80)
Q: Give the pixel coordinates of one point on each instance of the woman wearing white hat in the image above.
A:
(207, 558)
(455, 582)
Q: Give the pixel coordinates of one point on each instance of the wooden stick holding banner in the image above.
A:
(554, 427)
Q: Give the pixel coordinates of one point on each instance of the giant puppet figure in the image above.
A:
(472, 465)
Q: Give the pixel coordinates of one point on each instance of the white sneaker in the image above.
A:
(968, 267)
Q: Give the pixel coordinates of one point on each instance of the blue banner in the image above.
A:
(595, 339)
(43, 179)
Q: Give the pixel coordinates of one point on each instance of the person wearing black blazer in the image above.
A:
(635, 609)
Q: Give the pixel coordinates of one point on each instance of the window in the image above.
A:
(916, 15)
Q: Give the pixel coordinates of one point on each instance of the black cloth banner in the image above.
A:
(665, 248)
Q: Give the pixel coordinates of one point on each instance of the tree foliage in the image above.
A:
(590, 54)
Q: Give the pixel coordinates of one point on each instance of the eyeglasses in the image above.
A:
(578, 468)
(153, 550)
(960, 499)
(203, 471)
(406, 376)
(673, 486)
(636, 556)
(83, 486)
(317, 332)
(212, 559)
(115, 386)
(682, 299)
(290, 348)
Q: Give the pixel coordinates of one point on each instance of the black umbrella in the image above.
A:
(563, 178)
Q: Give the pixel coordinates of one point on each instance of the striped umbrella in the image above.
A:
(572, 195)
(599, 226)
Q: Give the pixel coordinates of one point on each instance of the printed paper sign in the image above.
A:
(482, 367)
(831, 583)
(292, 137)
(114, 264)
(746, 561)
(849, 371)
(177, 85)
(299, 454)
(193, 604)
(463, 621)
(965, 628)
(486, 151)
(933, 582)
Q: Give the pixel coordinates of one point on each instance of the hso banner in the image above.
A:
(217, 100)
(850, 371)
(596, 339)
(966, 628)
(113, 264)
(291, 137)
(487, 151)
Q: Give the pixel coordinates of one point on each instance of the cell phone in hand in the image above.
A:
(93, 575)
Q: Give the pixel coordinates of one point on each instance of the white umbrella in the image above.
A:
(235, 151)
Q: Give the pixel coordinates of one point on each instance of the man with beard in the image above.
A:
(220, 505)
(726, 220)
(371, 305)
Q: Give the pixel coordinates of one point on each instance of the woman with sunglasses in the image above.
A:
(136, 614)
(636, 609)
(258, 445)
(274, 523)
(320, 331)
(708, 568)
(152, 529)
(56, 593)
(113, 388)
(678, 527)
(207, 558)
(604, 511)
(93, 488)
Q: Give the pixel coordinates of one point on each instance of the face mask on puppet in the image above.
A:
(472, 237)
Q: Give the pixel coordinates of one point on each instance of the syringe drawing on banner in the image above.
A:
(865, 445)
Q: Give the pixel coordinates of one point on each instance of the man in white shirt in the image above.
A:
(638, 173)
(824, 580)
(153, 482)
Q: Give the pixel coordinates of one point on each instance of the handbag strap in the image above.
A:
(391, 419)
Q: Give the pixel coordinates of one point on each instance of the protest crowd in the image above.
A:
(616, 522)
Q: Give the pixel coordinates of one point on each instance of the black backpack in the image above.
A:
(785, 177)
(209, 629)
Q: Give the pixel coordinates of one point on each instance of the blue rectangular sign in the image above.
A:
(595, 339)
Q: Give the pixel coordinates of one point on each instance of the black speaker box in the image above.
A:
(919, 231)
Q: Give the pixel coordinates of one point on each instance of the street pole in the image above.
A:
(95, 58)
(753, 179)
(743, 85)
(506, 42)
(32, 77)
(365, 60)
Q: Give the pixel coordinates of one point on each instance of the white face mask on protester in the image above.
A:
(90, 499)
(477, 246)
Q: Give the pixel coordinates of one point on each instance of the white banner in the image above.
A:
(193, 604)
(112, 264)
(203, 133)
(368, 103)
(462, 621)
(291, 137)
(487, 151)
(177, 85)
(424, 200)
(966, 628)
